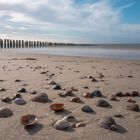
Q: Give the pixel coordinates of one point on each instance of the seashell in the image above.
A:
(87, 95)
(76, 100)
(133, 107)
(96, 93)
(42, 98)
(57, 87)
(107, 123)
(22, 90)
(102, 103)
(6, 99)
(17, 96)
(28, 120)
(52, 82)
(62, 125)
(69, 118)
(87, 109)
(20, 101)
(5, 112)
(57, 107)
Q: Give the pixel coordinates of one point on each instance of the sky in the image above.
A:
(75, 21)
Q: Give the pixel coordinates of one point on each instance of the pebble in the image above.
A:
(22, 90)
(2, 89)
(119, 94)
(133, 107)
(62, 125)
(96, 93)
(102, 103)
(33, 92)
(51, 82)
(17, 80)
(69, 118)
(57, 87)
(42, 98)
(112, 97)
(17, 96)
(6, 99)
(94, 80)
(20, 101)
(135, 93)
(107, 123)
(69, 93)
(87, 109)
(87, 95)
(131, 101)
(76, 100)
(5, 112)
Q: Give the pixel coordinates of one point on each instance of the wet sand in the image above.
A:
(118, 75)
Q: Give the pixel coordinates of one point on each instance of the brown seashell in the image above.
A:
(87, 95)
(28, 120)
(57, 107)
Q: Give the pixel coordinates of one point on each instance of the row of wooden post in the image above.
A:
(8, 43)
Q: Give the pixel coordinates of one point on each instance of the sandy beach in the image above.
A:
(71, 73)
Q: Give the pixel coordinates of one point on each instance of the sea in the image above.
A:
(109, 51)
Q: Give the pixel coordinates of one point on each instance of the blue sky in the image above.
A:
(78, 21)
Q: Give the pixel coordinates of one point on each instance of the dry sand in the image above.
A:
(69, 72)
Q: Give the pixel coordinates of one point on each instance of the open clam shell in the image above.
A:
(57, 107)
(28, 120)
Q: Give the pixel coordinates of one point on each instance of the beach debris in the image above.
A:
(20, 101)
(102, 103)
(33, 92)
(131, 101)
(87, 109)
(42, 98)
(28, 120)
(62, 125)
(17, 80)
(96, 93)
(51, 82)
(76, 100)
(119, 94)
(17, 96)
(94, 80)
(118, 115)
(5, 112)
(127, 94)
(80, 124)
(112, 97)
(22, 90)
(57, 87)
(73, 89)
(133, 107)
(69, 118)
(135, 93)
(108, 123)
(2, 89)
(6, 99)
(44, 72)
(87, 95)
(29, 59)
(57, 107)
(69, 93)
(86, 87)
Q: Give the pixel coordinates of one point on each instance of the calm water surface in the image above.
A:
(118, 52)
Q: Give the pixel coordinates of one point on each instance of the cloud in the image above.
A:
(67, 20)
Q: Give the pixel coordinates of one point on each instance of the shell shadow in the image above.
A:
(33, 129)
(64, 112)
(120, 129)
